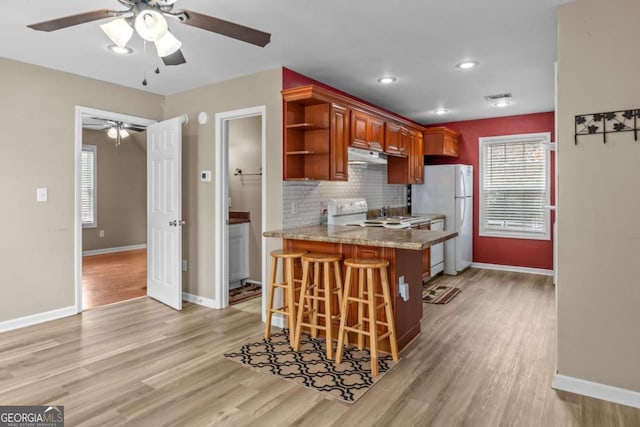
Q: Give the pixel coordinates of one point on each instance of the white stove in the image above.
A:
(346, 211)
(354, 212)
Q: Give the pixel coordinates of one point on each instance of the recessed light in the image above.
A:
(387, 80)
(120, 50)
(441, 111)
(501, 104)
(467, 65)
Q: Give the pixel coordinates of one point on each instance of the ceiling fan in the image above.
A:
(147, 17)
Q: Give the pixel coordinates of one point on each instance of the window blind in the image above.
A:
(88, 186)
(515, 187)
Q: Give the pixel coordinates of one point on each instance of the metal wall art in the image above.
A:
(604, 123)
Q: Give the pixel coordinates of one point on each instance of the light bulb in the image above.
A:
(123, 133)
(112, 133)
(151, 25)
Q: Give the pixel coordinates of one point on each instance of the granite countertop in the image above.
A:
(369, 236)
(429, 216)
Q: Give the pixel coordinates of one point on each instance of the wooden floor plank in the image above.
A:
(113, 277)
(486, 358)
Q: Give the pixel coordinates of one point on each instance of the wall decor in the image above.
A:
(609, 122)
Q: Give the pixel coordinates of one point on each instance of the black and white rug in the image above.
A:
(347, 381)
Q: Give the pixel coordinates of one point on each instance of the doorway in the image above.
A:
(250, 176)
(110, 209)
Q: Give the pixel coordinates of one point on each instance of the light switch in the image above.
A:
(41, 194)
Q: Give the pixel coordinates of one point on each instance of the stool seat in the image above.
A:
(366, 294)
(316, 297)
(366, 263)
(285, 253)
(288, 286)
(319, 257)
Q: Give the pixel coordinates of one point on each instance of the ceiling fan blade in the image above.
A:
(71, 20)
(226, 28)
(175, 58)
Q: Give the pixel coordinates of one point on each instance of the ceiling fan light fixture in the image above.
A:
(123, 132)
(167, 45)
(112, 133)
(151, 25)
(119, 31)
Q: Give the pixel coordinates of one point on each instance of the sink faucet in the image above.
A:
(383, 211)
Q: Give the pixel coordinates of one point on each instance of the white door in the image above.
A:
(164, 212)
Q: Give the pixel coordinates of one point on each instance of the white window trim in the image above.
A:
(94, 149)
(545, 138)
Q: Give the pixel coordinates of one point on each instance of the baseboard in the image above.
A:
(255, 282)
(596, 390)
(113, 250)
(514, 268)
(34, 319)
(196, 299)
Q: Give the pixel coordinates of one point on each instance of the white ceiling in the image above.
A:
(346, 44)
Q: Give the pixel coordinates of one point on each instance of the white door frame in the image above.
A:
(80, 111)
(221, 276)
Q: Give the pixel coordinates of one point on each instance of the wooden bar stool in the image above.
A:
(288, 286)
(316, 297)
(370, 298)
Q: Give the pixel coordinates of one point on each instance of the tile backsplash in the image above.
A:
(305, 201)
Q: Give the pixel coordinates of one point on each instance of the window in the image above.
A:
(88, 186)
(514, 186)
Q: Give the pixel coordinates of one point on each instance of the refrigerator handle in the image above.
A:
(462, 182)
(462, 211)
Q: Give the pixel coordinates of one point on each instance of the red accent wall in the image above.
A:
(494, 250)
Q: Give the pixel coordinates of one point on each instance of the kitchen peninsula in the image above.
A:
(403, 248)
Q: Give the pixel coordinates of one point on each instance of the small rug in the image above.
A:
(439, 294)
(244, 293)
(347, 381)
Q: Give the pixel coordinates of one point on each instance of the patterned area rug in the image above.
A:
(347, 381)
(438, 294)
(245, 292)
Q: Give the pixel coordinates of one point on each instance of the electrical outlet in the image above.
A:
(403, 288)
(184, 265)
(101, 233)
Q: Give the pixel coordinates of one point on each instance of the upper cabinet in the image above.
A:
(407, 170)
(315, 136)
(441, 141)
(319, 126)
(367, 131)
(393, 139)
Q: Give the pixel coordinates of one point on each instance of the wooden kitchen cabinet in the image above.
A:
(407, 170)
(441, 141)
(393, 139)
(315, 136)
(416, 169)
(367, 131)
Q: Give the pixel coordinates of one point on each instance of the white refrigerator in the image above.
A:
(448, 190)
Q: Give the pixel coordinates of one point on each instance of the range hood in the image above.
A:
(358, 156)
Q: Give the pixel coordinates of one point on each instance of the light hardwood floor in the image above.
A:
(484, 359)
(113, 277)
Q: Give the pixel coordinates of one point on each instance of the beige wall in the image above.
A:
(245, 153)
(198, 154)
(121, 190)
(37, 110)
(599, 201)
